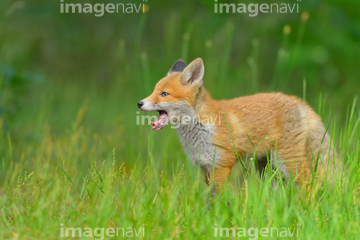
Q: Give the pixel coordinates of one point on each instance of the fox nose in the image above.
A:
(140, 104)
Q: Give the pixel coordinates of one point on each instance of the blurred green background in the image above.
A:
(77, 77)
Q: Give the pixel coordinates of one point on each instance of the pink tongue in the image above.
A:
(159, 120)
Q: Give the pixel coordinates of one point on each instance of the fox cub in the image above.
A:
(263, 126)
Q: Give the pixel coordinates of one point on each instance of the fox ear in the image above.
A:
(178, 66)
(194, 72)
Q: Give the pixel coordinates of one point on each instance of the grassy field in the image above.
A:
(72, 155)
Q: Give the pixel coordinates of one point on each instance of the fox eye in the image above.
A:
(164, 94)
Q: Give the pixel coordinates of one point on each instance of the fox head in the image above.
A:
(177, 94)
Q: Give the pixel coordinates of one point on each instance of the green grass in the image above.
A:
(53, 187)
(71, 154)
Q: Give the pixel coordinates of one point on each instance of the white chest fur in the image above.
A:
(196, 140)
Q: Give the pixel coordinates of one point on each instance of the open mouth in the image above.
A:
(161, 122)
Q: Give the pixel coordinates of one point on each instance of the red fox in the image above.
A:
(265, 125)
